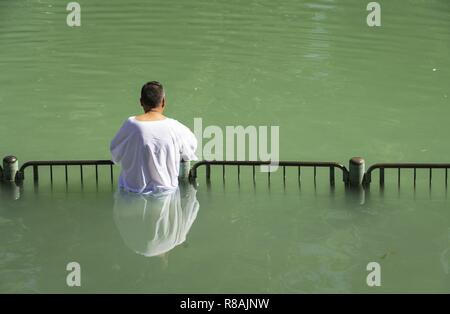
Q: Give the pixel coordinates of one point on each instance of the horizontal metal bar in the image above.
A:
(382, 166)
(36, 163)
(193, 172)
(64, 162)
(314, 164)
(260, 163)
(409, 166)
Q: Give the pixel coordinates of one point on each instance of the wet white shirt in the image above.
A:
(154, 224)
(149, 153)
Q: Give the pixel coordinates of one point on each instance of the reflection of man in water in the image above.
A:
(153, 225)
(149, 146)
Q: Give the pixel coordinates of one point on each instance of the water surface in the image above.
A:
(336, 88)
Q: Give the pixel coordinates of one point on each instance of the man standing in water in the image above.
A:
(150, 146)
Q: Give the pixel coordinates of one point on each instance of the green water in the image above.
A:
(336, 87)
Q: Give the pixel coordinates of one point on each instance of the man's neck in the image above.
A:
(151, 115)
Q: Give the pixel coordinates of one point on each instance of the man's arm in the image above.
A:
(118, 142)
(188, 143)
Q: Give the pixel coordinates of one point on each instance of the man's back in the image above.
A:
(150, 153)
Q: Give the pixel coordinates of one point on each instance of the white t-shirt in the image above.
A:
(150, 152)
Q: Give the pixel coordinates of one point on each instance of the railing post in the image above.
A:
(193, 174)
(8, 176)
(185, 167)
(367, 179)
(356, 171)
(10, 168)
(382, 177)
(208, 171)
(332, 176)
(35, 173)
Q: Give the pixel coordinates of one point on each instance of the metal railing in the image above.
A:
(354, 176)
(36, 164)
(382, 166)
(283, 164)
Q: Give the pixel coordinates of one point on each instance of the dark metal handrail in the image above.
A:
(381, 166)
(367, 178)
(51, 163)
(283, 164)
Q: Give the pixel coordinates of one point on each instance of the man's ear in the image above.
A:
(163, 103)
(140, 100)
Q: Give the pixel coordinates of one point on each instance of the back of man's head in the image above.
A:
(152, 94)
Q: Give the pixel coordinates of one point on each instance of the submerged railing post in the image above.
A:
(10, 168)
(208, 171)
(332, 176)
(356, 171)
(357, 179)
(8, 176)
(381, 176)
(185, 167)
(35, 173)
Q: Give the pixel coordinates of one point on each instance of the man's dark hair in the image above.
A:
(152, 94)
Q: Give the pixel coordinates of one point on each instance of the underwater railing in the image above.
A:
(18, 174)
(399, 166)
(354, 176)
(280, 164)
(36, 164)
